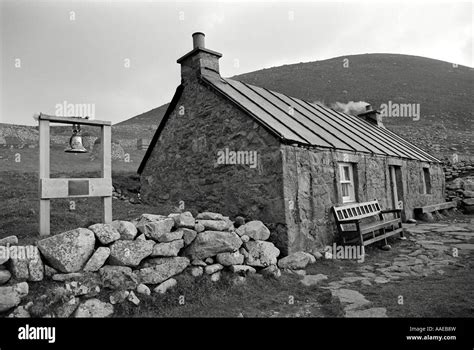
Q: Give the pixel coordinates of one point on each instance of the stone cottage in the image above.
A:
(239, 149)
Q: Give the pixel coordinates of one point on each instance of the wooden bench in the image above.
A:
(420, 211)
(365, 223)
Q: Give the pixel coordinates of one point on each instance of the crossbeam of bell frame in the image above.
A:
(73, 188)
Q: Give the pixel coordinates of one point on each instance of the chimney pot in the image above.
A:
(198, 40)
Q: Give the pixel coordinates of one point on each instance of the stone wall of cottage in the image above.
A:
(311, 189)
(183, 172)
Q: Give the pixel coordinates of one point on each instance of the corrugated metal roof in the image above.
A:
(305, 123)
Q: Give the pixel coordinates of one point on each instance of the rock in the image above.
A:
(198, 262)
(209, 216)
(239, 280)
(367, 313)
(185, 220)
(381, 280)
(9, 241)
(35, 266)
(211, 243)
(210, 269)
(142, 237)
(228, 259)
(66, 309)
(199, 228)
(94, 308)
(129, 253)
(116, 277)
(245, 238)
(133, 298)
(62, 277)
(10, 296)
(242, 269)
(311, 280)
(209, 261)
(216, 276)
(68, 251)
(295, 261)
(143, 289)
(118, 296)
(49, 271)
(5, 276)
(19, 268)
(239, 221)
(271, 270)
(159, 230)
(20, 312)
(126, 229)
(386, 247)
(165, 286)
(411, 221)
(77, 289)
(197, 271)
(97, 259)
(428, 217)
(351, 297)
(317, 254)
(468, 194)
(215, 225)
(168, 249)
(105, 233)
(163, 269)
(255, 230)
(261, 253)
(189, 236)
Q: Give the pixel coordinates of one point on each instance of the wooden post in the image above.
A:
(44, 211)
(72, 188)
(106, 170)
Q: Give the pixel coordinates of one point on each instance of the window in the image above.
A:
(346, 174)
(426, 181)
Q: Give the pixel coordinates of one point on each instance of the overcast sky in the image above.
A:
(120, 56)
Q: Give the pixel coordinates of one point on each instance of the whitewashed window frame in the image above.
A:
(344, 181)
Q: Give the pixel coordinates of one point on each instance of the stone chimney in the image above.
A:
(199, 60)
(372, 116)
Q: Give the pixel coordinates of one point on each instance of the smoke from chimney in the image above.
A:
(351, 107)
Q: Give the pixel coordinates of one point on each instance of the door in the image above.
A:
(396, 183)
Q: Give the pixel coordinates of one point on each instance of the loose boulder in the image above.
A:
(68, 251)
(105, 233)
(11, 296)
(165, 286)
(118, 277)
(261, 253)
(215, 225)
(228, 259)
(163, 269)
(211, 243)
(255, 230)
(184, 220)
(295, 261)
(129, 253)
(97, 259)
(94, 308)
(126, 229)
(168, 249)
(209, 216)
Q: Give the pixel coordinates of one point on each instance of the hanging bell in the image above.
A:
(75, 142)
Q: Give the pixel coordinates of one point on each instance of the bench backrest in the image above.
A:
(357, 211)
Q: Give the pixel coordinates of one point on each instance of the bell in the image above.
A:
(75, 142)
